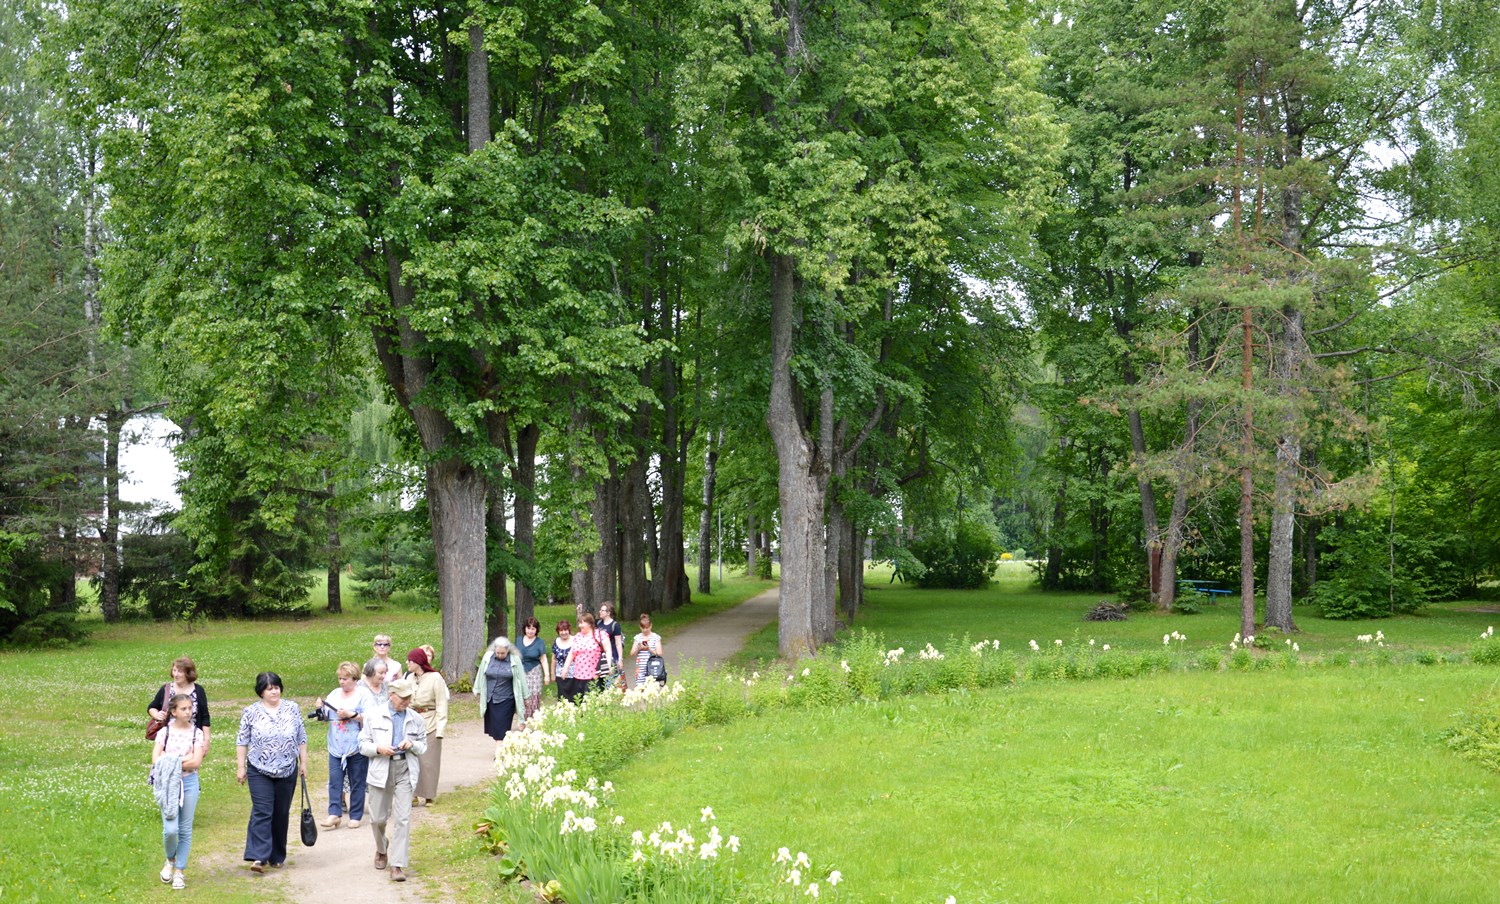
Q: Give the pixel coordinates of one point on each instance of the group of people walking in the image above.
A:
(386, 721)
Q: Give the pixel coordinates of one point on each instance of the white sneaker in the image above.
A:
(178, 882)
(166, 872)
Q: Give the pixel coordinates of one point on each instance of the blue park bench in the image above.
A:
(1211, 589)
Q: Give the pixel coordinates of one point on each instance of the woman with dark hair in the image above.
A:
(615, 632)
(536, 663)
(184, 681)
(567, 688)
(430, 701)
(270, 752)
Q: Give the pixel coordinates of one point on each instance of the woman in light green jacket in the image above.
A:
(500, 685)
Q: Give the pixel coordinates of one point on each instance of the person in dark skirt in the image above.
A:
(500, 685)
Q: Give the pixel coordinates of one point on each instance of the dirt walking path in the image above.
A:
(341, 866)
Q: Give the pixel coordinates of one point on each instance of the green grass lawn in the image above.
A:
(1311, 785)
(81, 824)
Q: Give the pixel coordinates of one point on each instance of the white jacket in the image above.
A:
(377, 733)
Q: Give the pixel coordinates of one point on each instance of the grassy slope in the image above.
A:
(75, 759)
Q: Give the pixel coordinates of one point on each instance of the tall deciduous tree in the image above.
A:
(852, 138)
(306, 171)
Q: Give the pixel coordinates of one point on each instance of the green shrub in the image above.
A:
(1487, 650)
(1190, 603)
(1477, 738)
(1209, 659)
(763, 567)
(961, 559)
(1355, 580)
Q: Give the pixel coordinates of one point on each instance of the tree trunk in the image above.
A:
(582, 582)
(1310, 551)
(827, 617)
(335, 554)
(456, 494)
(635, 586)
(1052, 576)
(497, 597)
(1247, 478)
(705, 518)
(524, 477)
(478, 66)
(1283, 524)
(752, 546)
(607, 509)
(1183, 469)
(109, 567)
(851, 568)
(802, 478)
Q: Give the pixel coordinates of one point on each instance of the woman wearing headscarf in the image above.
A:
(430, 700)
(499, 684)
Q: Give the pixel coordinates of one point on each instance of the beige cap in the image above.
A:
(403, 687)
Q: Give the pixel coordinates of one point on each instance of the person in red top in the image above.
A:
(592, 655)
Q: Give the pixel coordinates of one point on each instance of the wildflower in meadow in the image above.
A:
(812, 890)
(1034, 647)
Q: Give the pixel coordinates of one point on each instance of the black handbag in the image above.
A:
(309, 824)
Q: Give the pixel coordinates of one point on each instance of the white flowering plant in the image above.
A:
(1486, 651)
(551, 820)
